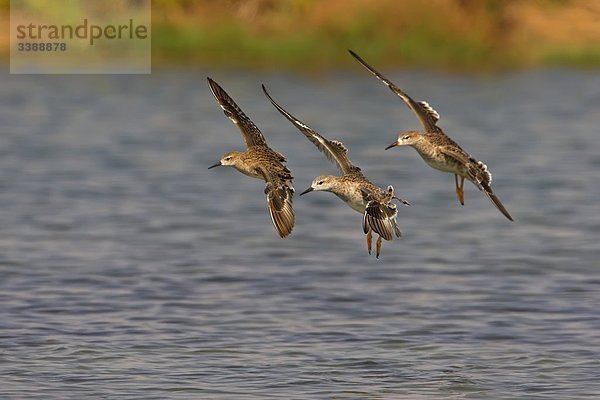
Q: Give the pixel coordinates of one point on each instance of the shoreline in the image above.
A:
(446, 35)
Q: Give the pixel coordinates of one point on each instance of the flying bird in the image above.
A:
(259, 161)
(379, 212)
(437, 149)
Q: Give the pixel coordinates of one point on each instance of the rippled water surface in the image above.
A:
(129, 270)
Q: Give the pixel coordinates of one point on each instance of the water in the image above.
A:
(128, 270)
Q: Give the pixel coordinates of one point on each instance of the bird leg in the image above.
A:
(459, 188)
(378, 247)
(369, 240)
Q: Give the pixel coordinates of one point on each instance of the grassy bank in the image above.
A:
(314, 34)
(235, 45)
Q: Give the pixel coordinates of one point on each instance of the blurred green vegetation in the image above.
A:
(314, 34)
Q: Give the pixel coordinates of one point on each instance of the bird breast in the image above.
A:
(440, 164)
(353, 198)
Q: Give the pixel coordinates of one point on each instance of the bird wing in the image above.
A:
(334, 150)
(479, 174)
(496, 201)
(477, 171)
(426, 114)
(250, 131)
(381, 218)
(458, 155)
(279, 199)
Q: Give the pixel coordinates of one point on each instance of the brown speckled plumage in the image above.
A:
(437, 149)
(379, 213)
(259, 161)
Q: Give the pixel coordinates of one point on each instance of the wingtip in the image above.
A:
(213, 86)
(504, 211)
(507, 215)
(362, 62)
(264, 88)
(496, 202)
(275, 104)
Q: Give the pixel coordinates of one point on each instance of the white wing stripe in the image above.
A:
(430, 110)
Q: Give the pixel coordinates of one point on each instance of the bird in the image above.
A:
(259, 161)
(437, 149)
(379, 212)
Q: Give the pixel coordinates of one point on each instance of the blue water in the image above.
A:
(128, 270)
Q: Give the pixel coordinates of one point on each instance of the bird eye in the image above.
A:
(227, 158)
(320, 182)
(406, 137)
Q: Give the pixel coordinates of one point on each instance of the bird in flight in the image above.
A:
(259, 161)
(379, 212)
(437, 149)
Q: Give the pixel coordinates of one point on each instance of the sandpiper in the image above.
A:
(437, 149)
(379, 213)
(259, 161)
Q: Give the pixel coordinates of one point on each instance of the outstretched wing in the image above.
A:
(482, 178)
(250, 131)
(479, 174)
(496, 201)
(426, 114)
(334, 150)
(279, 199)
(381, 218)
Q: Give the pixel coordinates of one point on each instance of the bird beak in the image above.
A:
(310, 189)
(216, 165)
(392, 145)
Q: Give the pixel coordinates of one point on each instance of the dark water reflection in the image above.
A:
(128, 270)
